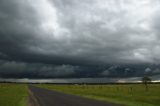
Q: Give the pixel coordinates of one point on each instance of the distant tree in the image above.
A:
(145, 81)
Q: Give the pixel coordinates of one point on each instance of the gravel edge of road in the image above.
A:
(32, 98)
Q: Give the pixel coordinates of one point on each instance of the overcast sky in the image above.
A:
(79, 38)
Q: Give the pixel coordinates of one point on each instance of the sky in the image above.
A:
(79, 38)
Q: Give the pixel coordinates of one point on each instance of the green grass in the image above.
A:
(130, 95)
(13, 94)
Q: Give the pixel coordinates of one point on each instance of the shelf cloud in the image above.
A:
(74, 38)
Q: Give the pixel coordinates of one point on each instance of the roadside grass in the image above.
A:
(130, 95)
(13, 94)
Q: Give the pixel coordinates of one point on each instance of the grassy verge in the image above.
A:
(13, 94)
(130, 95)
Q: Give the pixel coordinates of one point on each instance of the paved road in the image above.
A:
(52, 98)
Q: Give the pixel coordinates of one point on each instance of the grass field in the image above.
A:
(13, 94)
(130, 95)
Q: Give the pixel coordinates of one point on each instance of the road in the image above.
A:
(53, 98)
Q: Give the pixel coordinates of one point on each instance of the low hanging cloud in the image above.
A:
(57, 71)
(35, 70)
(61, 35)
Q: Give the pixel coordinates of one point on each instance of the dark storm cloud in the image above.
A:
(13, 69)
(35, 70)
(65, 34)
